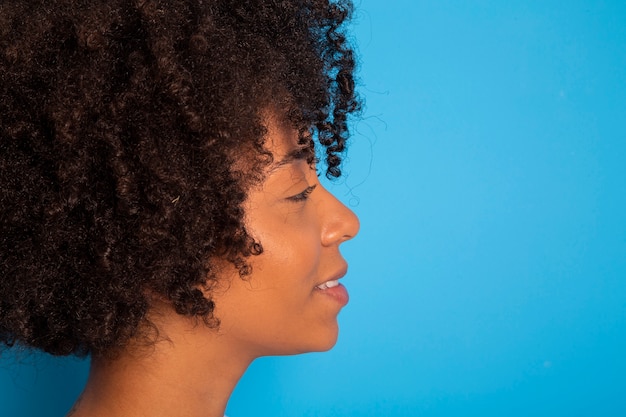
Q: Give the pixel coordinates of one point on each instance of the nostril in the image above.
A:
(357, 224)
(341, 223)
(353, 224)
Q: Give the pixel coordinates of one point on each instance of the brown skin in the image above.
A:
(277, 310)
(122, 127)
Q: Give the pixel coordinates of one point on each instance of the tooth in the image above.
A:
(328, 284)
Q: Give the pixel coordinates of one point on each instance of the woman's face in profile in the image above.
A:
(290, 302)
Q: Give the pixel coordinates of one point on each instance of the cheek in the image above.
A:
(275, 310)
(293, 258)
(291, 244)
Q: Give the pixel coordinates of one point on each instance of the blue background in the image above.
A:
(489, 277)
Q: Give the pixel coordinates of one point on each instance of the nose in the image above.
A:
(340, 223)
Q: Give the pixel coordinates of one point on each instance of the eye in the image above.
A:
(303, 196)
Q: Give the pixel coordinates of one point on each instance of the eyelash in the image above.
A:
(303, 196)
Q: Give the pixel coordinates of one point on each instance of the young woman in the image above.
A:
(161, 208)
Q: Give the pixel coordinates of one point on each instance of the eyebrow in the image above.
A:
(296, 154)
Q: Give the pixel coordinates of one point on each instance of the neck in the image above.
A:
(181, 376)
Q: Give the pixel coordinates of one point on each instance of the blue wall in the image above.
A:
(489, 278)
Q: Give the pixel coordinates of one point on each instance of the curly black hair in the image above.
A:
(121, 122)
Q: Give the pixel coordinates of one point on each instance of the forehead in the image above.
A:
(281, 138)
(283, 143)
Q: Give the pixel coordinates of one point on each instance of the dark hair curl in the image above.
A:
(120, 123)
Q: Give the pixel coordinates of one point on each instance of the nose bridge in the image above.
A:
(339, 222)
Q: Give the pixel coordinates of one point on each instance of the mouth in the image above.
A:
(334, 289)
(328, 284)
(333, 280)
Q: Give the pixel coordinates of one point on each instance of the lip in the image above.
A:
(338, 293)
(337, 276)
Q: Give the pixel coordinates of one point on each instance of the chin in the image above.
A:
(322, 344)
(326, 347)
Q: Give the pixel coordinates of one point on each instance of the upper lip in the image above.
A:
(338, 275)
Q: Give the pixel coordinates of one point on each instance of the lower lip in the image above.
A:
(338, 293)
